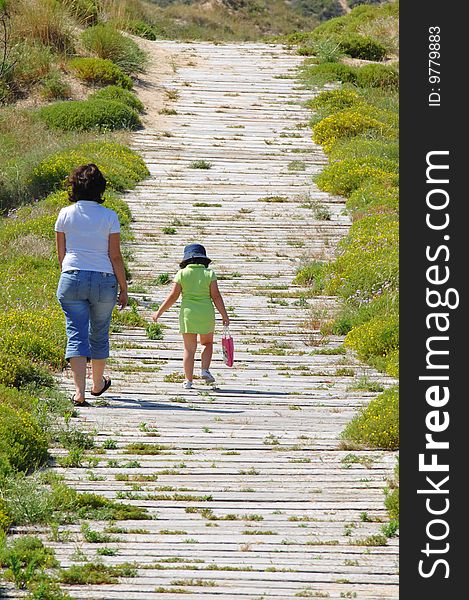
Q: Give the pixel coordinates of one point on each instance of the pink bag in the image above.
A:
(227, 345)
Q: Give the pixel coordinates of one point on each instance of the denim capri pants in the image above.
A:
(87, 299)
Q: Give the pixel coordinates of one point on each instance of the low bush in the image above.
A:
(33, 335)
(17, 371)
(96, 574)
(140, 28)
(361, 46)
(379, 76)
(328, 72)
(121, 167)
(85, 12)
(106, 42)
(118, 94)
(312, 274)
(53, 87)
(366, 20)
(99, 115)
(25, 560)
(362, 146)
(377, 425)
(100, 71)
(43, 22)
(31, 62)
(332, 101)
(345, 176)
(368, 262)
(347, 123)
(22, 442)
(375, 340)
(326, 50)
(392, 495)
(372, 197)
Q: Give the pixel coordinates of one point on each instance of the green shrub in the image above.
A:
(5, 519)
(361, 146)
(22, 442)
(106, 42)
(101, 115)
(361, 46)
(121, 167)
(332, 101)
(377, 425)
(154, 331)
(380, 76)
(54, 88)
(140, 28)
(96, 573)
(347, 123)
(118, 94)
(86, 12)
(33, 334)
(311, 274)
(322, 9)
(17, 371)
(130, 317)
(375, 339)
(374, 196)
(392, 503)
(100, 72)
(359, 19)
(24, 561)
(326, 50)
(368, 262)
(328, 72)
(345, 176)
(31, 62)
(43, 22)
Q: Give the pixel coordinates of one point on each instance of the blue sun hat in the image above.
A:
(195, 251)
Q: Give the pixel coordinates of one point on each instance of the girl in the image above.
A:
(200, 292)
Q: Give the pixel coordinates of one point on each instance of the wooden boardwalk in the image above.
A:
(254, 497)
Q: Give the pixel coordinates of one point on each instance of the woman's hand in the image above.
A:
(226, 321)
(155, 316)
(122, 299)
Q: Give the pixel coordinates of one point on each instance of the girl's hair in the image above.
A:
(195, 261)
(86, 183)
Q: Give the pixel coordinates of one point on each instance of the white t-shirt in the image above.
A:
(87, 225)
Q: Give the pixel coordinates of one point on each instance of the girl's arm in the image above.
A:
(60, 245)
(117, 262)
(170, 300)
(218, 301)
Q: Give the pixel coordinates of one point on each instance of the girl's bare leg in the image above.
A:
(206, 358)
(190, 347)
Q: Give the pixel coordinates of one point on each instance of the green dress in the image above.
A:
(197, 314)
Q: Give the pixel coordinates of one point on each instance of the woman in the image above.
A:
(88, 249)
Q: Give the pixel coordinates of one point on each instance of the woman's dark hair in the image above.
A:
(86, 183)
(195, 261)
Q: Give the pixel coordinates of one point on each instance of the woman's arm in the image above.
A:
(60, 245)
(170, 300)
(117, 262)
(218, 301)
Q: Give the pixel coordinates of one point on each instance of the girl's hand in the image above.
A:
(226, 321)
(155, 316)
(122, 299)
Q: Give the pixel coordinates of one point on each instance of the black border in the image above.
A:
(423, 129)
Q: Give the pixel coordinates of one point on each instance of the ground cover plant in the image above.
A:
(357, 125)
(41, 146)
